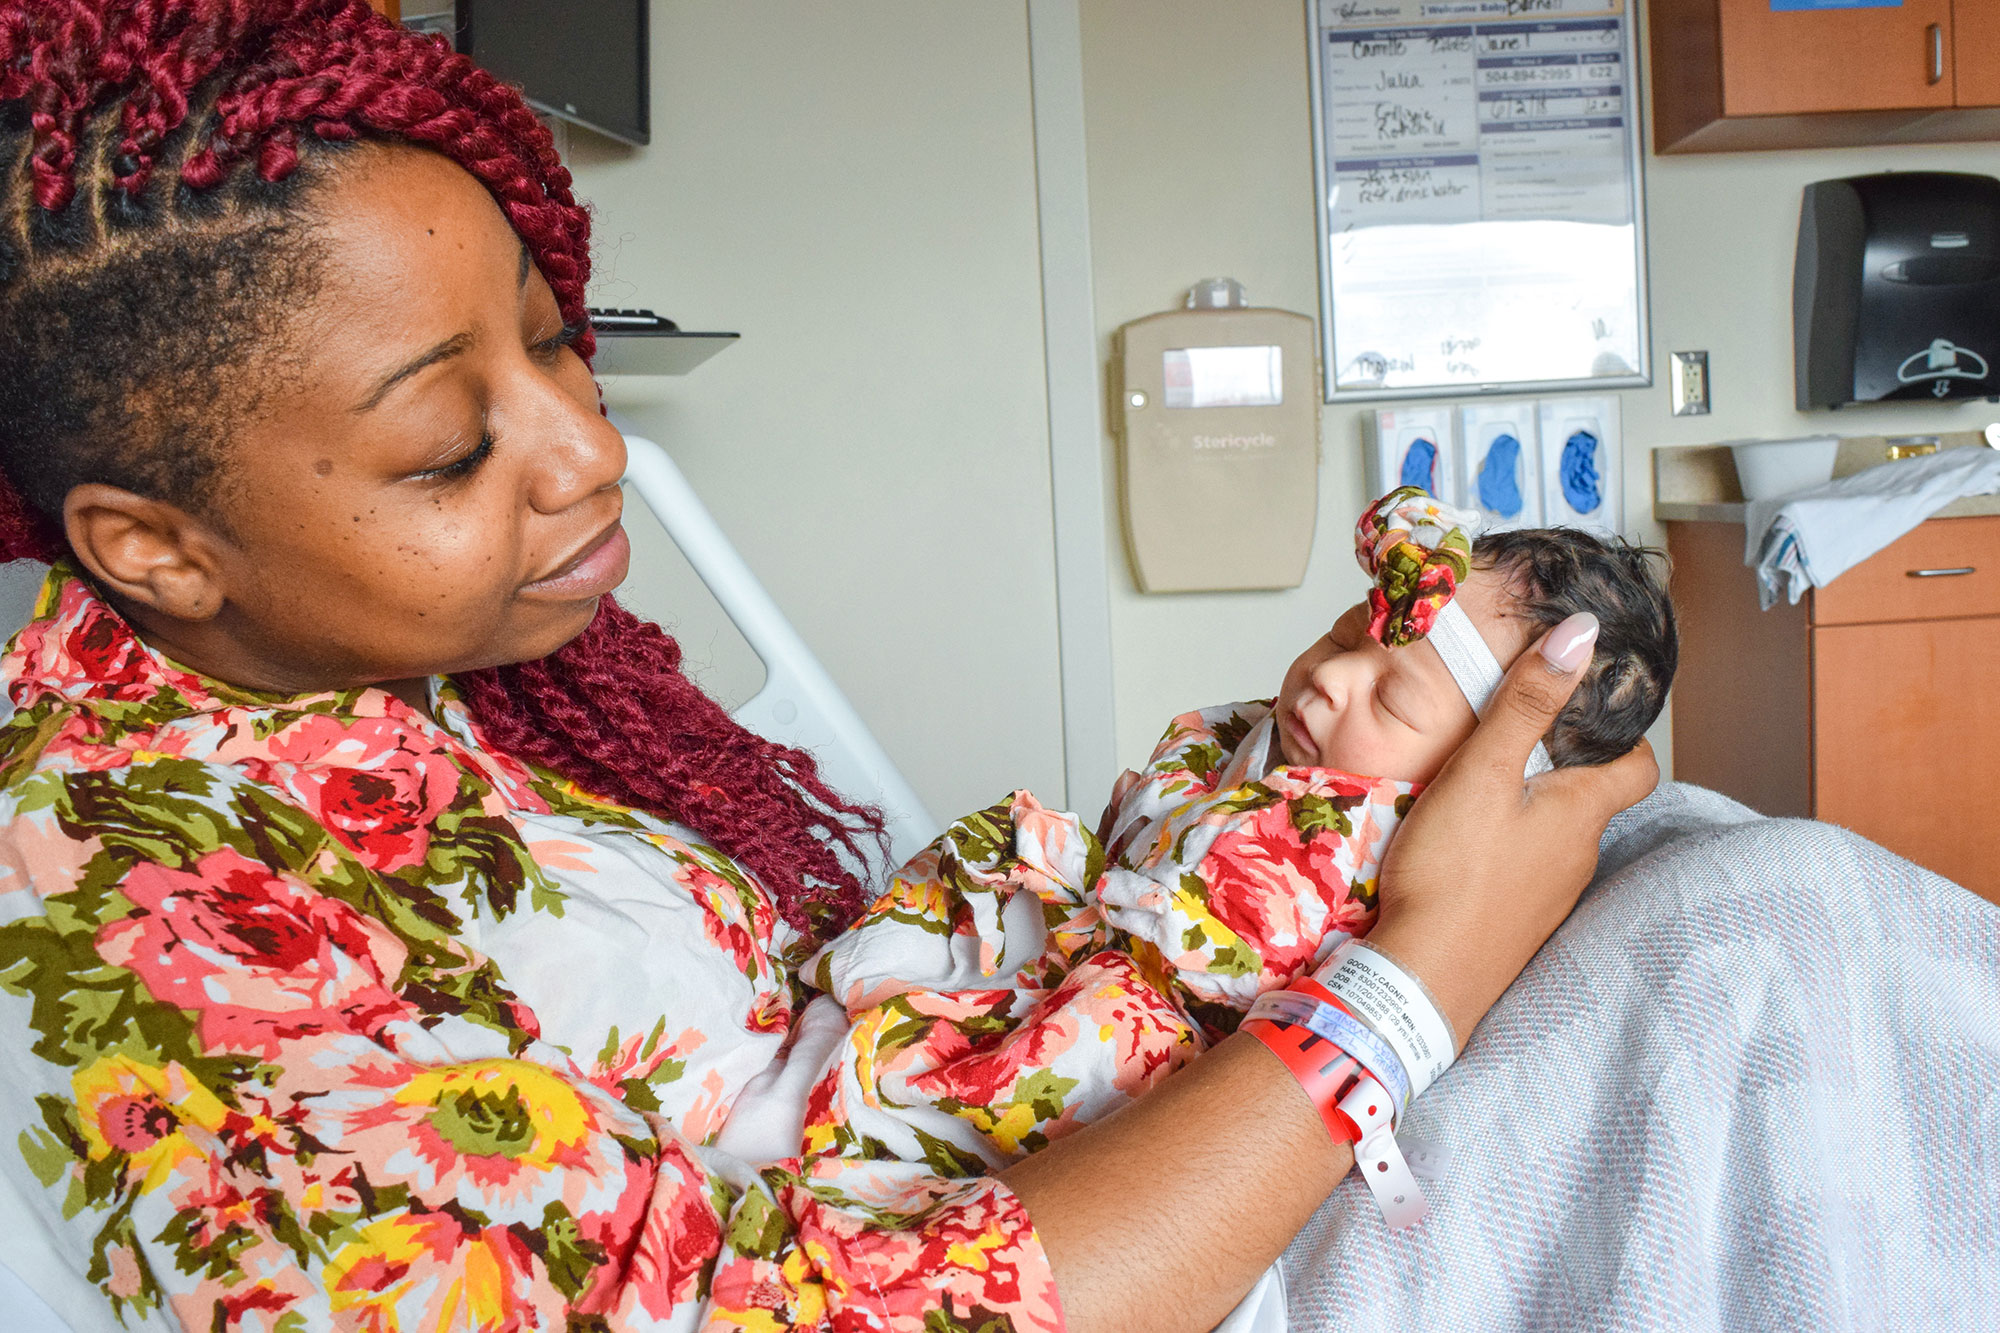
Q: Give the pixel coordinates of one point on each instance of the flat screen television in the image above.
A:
(581, 60)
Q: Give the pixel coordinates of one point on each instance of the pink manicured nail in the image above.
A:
(1568, 645)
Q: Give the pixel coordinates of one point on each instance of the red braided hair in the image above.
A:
(212, 93)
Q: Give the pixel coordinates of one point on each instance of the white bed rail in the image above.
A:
(799, 704)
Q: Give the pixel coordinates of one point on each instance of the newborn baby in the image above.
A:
(1022, 977)
(1249, 847)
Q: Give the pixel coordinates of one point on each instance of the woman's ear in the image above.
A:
(146, 551)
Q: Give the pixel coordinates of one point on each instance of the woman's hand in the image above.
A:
(1487, 866)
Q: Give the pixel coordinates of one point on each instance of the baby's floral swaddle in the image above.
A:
(1242, 874)
(990, 1009)
(1022, 977)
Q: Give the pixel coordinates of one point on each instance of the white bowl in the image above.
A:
(1772, 469)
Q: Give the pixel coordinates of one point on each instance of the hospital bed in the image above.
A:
(799, 705)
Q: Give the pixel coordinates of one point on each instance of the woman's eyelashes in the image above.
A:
(552, 346)
(463, 466)
(545, 349)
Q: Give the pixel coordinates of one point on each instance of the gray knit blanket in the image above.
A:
(1752, 1083)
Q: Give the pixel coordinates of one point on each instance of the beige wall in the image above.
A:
(1200, 149)
(852, 188)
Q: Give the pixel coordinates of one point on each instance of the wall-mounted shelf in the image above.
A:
(662, 353)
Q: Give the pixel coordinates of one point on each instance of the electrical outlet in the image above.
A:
(1690, 384)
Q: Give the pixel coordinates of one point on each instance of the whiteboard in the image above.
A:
(1480, 201)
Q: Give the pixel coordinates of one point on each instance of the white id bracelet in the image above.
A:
(1394, 1004)
(1341, 1066)
(1379, 1159)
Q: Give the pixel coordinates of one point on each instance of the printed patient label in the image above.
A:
(1379, 992)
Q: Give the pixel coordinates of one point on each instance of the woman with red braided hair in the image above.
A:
(391, 931)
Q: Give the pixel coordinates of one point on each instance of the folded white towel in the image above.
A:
(1811, 538)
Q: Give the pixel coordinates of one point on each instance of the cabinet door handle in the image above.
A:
(1943, 573)
(1935, 32)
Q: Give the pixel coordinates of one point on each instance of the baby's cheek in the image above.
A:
(1439, 747)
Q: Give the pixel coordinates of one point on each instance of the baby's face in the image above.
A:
(1352, 704)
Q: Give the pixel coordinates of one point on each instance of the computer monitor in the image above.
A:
(583, 61)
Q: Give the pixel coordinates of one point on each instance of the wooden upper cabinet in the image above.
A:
(1975, 45)
(1785, 62)
(1739, 74)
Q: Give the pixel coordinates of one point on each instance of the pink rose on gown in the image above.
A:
(261, 957)
(375, 783)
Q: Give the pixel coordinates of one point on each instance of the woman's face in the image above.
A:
(428, 486)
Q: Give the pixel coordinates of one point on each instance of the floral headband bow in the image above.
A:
(1417, 549)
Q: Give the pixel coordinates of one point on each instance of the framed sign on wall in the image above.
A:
(1481, 208)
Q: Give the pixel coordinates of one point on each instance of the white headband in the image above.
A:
(1475, 668)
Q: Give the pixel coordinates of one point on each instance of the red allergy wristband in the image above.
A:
(1324, 1070)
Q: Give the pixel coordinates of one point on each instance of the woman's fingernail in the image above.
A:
(1568, 645)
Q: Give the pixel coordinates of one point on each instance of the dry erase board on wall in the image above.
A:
(1481, 212)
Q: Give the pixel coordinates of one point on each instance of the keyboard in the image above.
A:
(606, 320)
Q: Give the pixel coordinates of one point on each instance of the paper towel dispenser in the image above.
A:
(1896, 291)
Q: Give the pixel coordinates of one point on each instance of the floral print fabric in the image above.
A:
(989, 1008)
(1417, 550)
(322, 1015)
(1242, 872)
(1023, 977)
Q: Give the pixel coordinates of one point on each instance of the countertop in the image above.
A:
(1697, 484)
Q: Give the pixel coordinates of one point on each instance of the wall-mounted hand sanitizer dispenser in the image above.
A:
(1217, 418)
(1896, 292)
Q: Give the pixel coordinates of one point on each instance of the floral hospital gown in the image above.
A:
(321, 1015)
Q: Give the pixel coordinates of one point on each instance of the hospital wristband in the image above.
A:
(1379, 1158)
(1307, 1004)
(1394, 1004)
(1324, 1072)
(1354, 1104)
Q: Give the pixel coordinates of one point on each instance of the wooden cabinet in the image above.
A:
(1904, 726)
(1975, 47)
(1788, 62)
(1874, 703)
(1736, 74)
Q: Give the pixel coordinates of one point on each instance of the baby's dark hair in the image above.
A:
(1561, 571)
